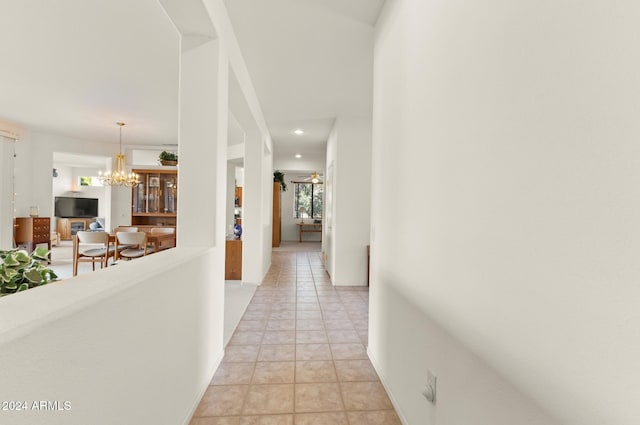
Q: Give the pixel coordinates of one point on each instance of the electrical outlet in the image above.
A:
(429, 391)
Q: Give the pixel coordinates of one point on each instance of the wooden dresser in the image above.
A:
(30, 231)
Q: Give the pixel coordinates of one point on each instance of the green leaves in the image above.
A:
(20, 271)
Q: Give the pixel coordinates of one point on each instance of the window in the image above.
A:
(307, 196)
(89, 181)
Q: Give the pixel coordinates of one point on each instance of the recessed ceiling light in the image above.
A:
(298, 131)
(298, 155)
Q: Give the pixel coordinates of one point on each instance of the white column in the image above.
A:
(202, 172)
(6, 192)
(252, 236)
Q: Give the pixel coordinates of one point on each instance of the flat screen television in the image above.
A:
(76, 207)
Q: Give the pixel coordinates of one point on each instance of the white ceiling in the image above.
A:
(75, 67)
(310, 61)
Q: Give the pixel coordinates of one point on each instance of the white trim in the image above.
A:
(395, 404)
(198, 398)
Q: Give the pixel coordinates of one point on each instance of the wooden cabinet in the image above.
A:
(276, 228)
(155, 199)
(237, 206)
(233, 260)
(238, 196)
(30, 231)
(67, 227)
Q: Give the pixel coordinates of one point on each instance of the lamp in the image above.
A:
(315, 177)
(119, 176)
(302, 210)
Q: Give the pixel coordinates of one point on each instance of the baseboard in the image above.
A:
(395, 404)
(196, 402)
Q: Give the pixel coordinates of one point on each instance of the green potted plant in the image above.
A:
(20, 271)
(168, 158)
(278, 176)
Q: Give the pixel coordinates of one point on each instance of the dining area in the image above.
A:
(124, 243)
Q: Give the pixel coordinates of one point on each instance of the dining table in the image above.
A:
(158, 241)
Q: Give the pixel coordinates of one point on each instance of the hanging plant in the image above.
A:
(278, 176)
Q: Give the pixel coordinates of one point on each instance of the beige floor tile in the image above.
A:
(269, 399)
(331, 307)
(275, 352)
(246, 338)
(380, 417)
(361, 324)
(255, 315)
(309, 325)
(365, 396)
(355, 370)
(315, 371)
(251, 325)
(281, 325)
(311, 337)
(259, 307)
(313, 352)
(348, 351)
(216, 420)
(274, 373)
(308, 306)
(343, 336)
(267, 420)
(337, 324)
(241, 353)
(333, 418)
(282, 315)
(283, 306)
(309, 314)
(308, 299)
(338, 315)
(233, 374)
(279, 337)
(323, 397)
(222, 400)
(364, 337)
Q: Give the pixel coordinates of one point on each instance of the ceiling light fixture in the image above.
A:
(315, 177)
(119, 176)
(298, 132)
(298, 155)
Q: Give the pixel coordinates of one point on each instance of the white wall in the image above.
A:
(348, 200)
(509, 130)
(112, 341)
(7, 149)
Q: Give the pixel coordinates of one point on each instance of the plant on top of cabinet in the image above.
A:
(278, 176)
(168, 158)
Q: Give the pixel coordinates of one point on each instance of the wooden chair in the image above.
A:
(91, 247)
(135, 242)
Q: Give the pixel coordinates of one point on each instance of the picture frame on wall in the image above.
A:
(154, 181)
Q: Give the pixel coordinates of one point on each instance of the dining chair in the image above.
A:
(91, 247)
(135, 242)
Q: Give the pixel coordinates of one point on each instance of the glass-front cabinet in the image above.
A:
(155, 199)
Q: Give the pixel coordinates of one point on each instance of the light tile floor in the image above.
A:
(298, 355)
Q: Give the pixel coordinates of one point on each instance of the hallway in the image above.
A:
(298, 355)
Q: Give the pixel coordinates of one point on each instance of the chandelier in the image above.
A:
(119, 176)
